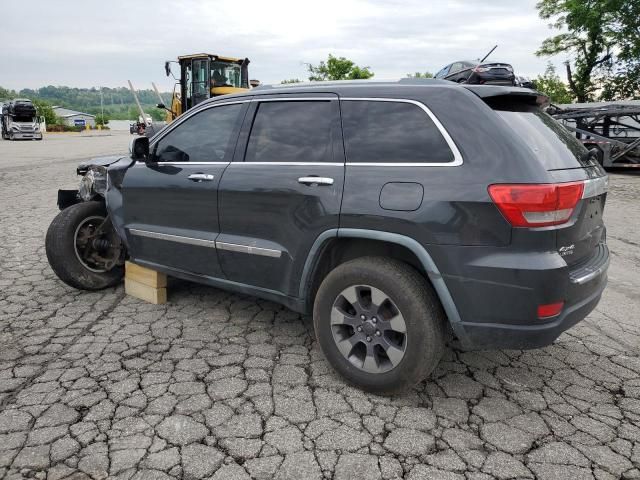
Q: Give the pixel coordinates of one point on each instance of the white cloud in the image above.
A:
(90, 42)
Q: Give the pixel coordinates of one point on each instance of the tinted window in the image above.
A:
(442, 72)
(295, 131)
(456, 67)
(555, 146)
(391, 132)
(205, 137)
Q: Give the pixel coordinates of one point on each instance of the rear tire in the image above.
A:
(62, 253)
(390, 296)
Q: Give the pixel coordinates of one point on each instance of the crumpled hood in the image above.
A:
(101, 161)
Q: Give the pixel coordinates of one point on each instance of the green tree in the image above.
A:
(156, 114)
(551, 85)
(623, 79)
(420, 75)
(601, 35)
(337, 68)
(102, 119)
(45, 110)
(6, 94)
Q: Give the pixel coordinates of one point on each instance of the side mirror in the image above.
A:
(161, 106)
(167, 68)
(139, 148)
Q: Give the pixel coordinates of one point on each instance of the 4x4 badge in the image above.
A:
(568, 250)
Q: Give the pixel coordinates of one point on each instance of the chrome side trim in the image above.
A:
(302, 164)
(595, 186)
(457, 156)
(332, 97)
(192, 163)
(173, 238)
(180, 164)
(234, 247)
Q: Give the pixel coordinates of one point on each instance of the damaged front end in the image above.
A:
(100, 242)
(95, 180)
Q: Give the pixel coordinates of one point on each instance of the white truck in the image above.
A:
(19, 120)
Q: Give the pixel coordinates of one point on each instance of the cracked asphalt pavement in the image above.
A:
(221, 386)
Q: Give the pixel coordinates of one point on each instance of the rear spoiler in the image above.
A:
(495, 95)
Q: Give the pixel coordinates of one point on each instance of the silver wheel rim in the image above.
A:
(368, 329)
(80, 246)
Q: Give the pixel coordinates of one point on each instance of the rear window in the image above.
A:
(391, 132)
(555, 146)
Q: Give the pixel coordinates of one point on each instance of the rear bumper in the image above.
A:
(523, 337)
(499, 308)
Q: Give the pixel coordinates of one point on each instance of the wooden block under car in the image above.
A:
(145, 284)
(145, 275)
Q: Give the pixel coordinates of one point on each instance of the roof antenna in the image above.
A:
(490, 52)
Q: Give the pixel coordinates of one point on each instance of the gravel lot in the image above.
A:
(213, 385)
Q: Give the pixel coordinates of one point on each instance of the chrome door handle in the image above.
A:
(316, 180)
(201, 177)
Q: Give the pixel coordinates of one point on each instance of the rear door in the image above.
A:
(170, 204)
(283, 189)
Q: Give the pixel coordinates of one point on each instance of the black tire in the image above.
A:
(415, 300)
(60, 246)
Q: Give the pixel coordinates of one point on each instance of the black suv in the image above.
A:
(395, 213)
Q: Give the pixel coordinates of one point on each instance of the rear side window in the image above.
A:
(391, 132)
(555, 146)
(293, 131)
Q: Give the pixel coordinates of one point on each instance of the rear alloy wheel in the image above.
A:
(379, 323)
(368, 328)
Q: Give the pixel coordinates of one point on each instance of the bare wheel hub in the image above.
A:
(97, 248)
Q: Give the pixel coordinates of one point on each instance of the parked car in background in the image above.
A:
(524, 82)
(493, 73)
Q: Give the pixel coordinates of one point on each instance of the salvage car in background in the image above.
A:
(493, 73)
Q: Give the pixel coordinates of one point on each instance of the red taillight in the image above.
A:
(536, 205)
(549, 310)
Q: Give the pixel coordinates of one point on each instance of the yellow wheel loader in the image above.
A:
(202, 76)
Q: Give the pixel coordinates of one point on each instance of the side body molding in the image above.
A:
(420, 252)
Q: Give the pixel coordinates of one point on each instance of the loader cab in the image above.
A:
(203, 76)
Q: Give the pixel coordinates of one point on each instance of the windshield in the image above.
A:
(554, 145)
(23, 119)
(225, 74)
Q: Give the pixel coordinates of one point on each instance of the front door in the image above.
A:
(283, 189)
(170, 203)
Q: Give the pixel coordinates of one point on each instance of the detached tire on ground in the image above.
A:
(379, 323)
(62, 251)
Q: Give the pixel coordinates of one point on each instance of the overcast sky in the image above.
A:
(91, 43)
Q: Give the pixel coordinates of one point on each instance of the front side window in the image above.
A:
(291, 131)
(391, 132)
(204, 137)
